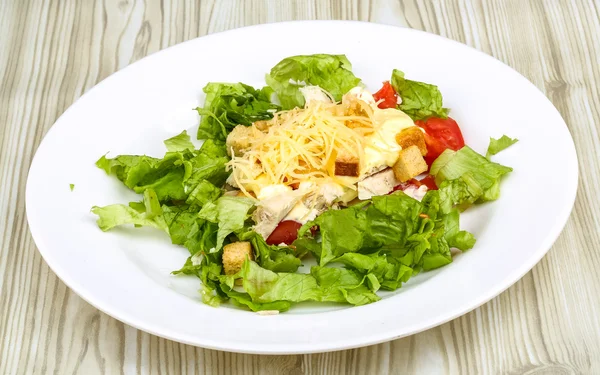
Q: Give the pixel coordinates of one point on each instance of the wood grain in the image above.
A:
(51, 52)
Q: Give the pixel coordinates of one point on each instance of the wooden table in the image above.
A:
(51, 52)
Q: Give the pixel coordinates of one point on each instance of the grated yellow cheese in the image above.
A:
(302, 144)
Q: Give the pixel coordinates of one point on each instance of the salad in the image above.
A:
(371, 185)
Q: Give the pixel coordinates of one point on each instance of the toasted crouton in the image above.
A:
(412, 136)
(240, 139)
(410, 164)
(234, 255)
(346, 165)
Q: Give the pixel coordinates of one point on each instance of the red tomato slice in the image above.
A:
(405, 185)
(388, 95)
(429, 181)
(441, 134)
(286, 232)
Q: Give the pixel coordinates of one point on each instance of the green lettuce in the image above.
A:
(271, 257)
(179, 142)
(467, 177)
(268, 290)
(332, 73)
(208, 269)
(382, 271)
(230, 104)
(173, 176)
(230, 213)
(419, 100)
(497, 145)
(203, 192)
(120, 214)
(403, 229)
(147, 213)
(176, 190)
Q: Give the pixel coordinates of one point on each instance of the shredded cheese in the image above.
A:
(303, 143)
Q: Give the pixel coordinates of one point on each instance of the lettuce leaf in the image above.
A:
(203, 193)
(173, 176)
(388, 271)
(229, 213)
(230, 104)
(271, 257)
(145, 213)
(165, 176)
(497, 145)
(268, 290)
(209, 272)
(419, 100)
(332, 73)
(245, 300)
(394, 231)
(466, 177)
(179, 142)
(120, 214)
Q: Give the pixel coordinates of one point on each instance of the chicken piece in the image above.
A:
(378, 184)
(271, 211)
(314, 94)
(234, 256)
(410, 164)
(416, 192)
(412, 136)
(241, 138)
(346, 165)
(234, 193)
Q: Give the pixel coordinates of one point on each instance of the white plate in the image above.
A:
(125, 272)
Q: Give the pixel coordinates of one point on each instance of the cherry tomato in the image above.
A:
(286, 232)
(441, 134)
(405, 185)
(389, 96)
(429, 181)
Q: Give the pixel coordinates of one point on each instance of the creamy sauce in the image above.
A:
(381, 150)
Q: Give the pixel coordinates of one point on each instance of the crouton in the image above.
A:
(412, 136)
(240, 139)
(410, 164)
(234, 255)
(346, 165)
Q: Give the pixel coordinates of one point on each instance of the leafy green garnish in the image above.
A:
(268, 290)
(497, 145)
(120, 214)
(229, 213)
(419, 100)
(411, 232)
(271, 257)
(71, 186)
(332, 73)
(179, 142)
(173, 176)
(467, 176)
(230, 104)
